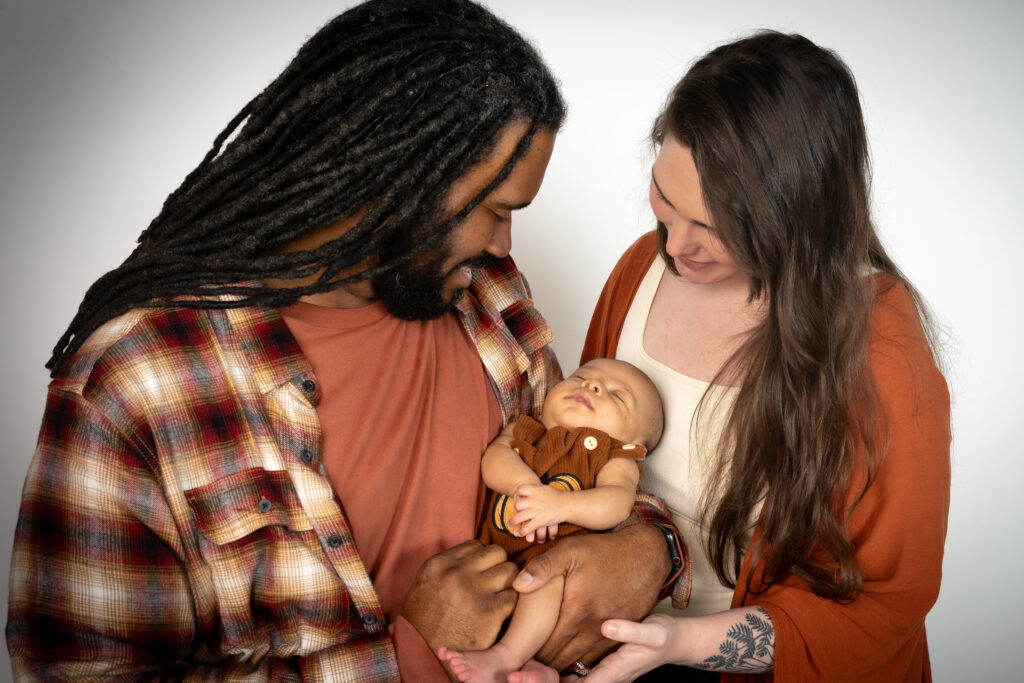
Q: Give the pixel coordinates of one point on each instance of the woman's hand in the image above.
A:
(646, 646)
(740, 640)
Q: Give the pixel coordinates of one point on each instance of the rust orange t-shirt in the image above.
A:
(406, 411)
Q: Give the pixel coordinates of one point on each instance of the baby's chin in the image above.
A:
(576, 424)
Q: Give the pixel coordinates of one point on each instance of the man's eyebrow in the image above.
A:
(665, 199)
(510, 206)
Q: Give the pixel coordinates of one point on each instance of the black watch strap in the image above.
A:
(675, 552)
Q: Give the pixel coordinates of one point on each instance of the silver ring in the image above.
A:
(579, 668)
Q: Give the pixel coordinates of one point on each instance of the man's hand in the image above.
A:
(461, 597)
(612, 575)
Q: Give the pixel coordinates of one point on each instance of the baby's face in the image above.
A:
(604, 394)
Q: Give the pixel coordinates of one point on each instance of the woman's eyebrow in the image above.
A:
(672, 206)
(660, 192)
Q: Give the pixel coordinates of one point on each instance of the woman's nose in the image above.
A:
(680, 238)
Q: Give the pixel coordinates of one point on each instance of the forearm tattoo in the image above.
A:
(749, 646)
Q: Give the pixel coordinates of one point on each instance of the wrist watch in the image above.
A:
(675, 553)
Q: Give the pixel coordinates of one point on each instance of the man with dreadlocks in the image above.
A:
(264, 428)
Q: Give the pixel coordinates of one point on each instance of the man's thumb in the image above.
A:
(535, 574)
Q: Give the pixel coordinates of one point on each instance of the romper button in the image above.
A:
(265, 505)
(590, 443)
(369, 620)
(334, 541)
(307, 456)
(309, 386)
(628, 446)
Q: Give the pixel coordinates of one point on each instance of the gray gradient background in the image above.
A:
(105, 105)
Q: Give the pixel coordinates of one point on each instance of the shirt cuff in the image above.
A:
(649, 509)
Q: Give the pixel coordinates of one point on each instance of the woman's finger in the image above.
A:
(651, 635)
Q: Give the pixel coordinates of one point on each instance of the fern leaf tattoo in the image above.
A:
(749, 646)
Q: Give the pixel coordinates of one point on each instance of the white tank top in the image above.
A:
(677, 471)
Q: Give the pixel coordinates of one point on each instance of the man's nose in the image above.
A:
(501, 240)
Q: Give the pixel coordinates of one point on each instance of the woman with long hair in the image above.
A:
(806, 451)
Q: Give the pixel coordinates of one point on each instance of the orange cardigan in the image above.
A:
(899, 527)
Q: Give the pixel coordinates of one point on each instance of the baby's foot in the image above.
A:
(481, 666)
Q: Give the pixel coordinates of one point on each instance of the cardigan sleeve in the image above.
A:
(898, 528)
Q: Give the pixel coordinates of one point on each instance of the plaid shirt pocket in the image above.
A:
(233, 507)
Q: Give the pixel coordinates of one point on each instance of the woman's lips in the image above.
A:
(690, 264)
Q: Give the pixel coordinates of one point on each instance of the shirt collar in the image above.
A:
(497, 312)
(273, 352)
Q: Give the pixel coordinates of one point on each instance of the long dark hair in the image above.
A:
(775, 127)
(381, 110)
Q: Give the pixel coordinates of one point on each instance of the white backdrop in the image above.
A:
(105, 105)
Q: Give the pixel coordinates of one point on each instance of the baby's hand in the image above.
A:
(539, 511)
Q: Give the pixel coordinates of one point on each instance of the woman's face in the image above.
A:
(678, 203)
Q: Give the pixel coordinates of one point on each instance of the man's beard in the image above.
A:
(417, 291)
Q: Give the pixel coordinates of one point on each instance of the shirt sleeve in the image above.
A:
(101, 586)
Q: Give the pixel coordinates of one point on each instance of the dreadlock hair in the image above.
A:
(381, 110)
(775, 127)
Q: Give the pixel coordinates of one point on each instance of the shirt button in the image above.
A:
(309, 386)
(590, 443)
(265, 505)
(307, 456)
(335, 541)
(369, 620)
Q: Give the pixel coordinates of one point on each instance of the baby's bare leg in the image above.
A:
(532, 624)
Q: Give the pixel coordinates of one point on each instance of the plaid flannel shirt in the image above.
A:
(177, 521)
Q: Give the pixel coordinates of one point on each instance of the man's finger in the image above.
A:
(483, 557)
(499, 576)
(502, 602)
(463, 550)
(542, 568)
